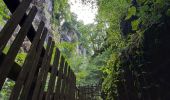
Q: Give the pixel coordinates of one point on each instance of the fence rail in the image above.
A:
(31, 78)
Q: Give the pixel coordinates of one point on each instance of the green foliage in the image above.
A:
(87, 68)
(103, 42)
(131, 12)
(135, 25)
(6, 49)
(67, 48)
(148, 13)
(6, 89)
(3, 13)
(61, 11)
(21, 58)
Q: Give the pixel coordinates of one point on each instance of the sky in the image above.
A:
(83, 12)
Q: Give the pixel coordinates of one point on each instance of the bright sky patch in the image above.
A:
(84, 12)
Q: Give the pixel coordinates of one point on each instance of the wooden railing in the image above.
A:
(31, 78)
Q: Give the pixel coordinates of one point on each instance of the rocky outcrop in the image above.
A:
(44, 12)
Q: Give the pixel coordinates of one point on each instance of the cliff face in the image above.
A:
(70, 34)
(44, 11)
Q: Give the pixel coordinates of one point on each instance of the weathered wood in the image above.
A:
(12, 5)
(12, 23)
(13, 74)
(46, 69)
(30, 78)
(9, 59)
(67, 93)
(58, 85)
(64, 82)
(52, 80)
(71, 86)
(28, 61)
(74, 86)
(40, 74)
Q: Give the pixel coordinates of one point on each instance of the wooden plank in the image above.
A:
(58, 85)
(70, 83)
(51, 85)
(40, 74)
(31, 33)
(46, 69)
(26, 66)
(74, 86)
(67, 93)
(12, 23)
(9, 59)
(12, 5)
(14, 70)
(64, 82)
(71, 86)
(30, 78)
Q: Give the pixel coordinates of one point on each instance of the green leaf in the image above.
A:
(135, 24)
(131, 12)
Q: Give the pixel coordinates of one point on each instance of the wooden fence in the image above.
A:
(31, 78)
(89, 92)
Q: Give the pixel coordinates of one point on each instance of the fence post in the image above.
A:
(46, 70)
(28, 61)
(40, 73)
(12, 53)
(33, 74)
(58, 85)
(12, 23)
(53, 75)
